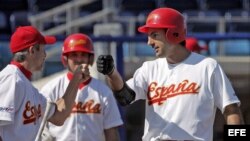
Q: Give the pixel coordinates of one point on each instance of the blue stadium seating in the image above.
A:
(19, 18)
(43, 5)
(13, 5)
(142, 49)
(87, 29)
(5, 54)
(239, 25)
(140, 9)
(3, 21)
(224, 5)
(92, 7)
(202, 25)
(230, 48)
(237, 47)
(138, 5)
(183, 5)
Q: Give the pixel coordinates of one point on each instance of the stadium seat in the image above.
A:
(10, 5)
(224, 5)
(92, 7)
(52, 65)
(202, 21)
(237, 13)
(242, 26)
(5, 54)
(19, 18)
(138, 5)
(141, 19)
(183, 5)
(191, 13)
(3, 22)
(124, 17)
(237, 47)
(87, 29)
(43, 5)
(142, 16)
(142, 49)
(237, 21)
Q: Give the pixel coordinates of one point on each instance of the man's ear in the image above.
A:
(91, 59)
(31, 49)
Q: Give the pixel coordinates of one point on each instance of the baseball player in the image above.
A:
(22, 106)
(95, 115)
(182, 89)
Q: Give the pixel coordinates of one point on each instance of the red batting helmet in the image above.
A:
(78, 42)
(167, 18)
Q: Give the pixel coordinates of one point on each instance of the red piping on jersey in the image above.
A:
(81, 85)
(26, 72)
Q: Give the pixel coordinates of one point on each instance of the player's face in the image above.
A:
(74, 59)
(38, 57)
(157, 40)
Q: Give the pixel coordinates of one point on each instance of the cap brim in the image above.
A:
(50, 39)
(80, 49)
(143, 29)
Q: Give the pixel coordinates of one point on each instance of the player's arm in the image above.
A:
(122, 92)
(112, 134)
(115, 80)
(233, 115)
(64, 105)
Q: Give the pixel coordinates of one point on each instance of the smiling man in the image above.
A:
(182, 89)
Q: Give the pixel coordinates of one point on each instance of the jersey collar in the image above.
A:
(26, 72)
(81, 85)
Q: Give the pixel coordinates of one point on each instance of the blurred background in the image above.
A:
(223, 26)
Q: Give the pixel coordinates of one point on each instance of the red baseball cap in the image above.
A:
(26, 36)
(193, 45)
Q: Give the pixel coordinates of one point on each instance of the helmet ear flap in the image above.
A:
(175, 36)
(91, 59)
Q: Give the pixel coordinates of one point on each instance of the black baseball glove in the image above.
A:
(105, 64)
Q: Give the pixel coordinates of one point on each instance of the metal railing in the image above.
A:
(69, 16)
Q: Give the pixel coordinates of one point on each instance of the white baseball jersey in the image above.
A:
(95, 109)
(21, 106)
(181, 99)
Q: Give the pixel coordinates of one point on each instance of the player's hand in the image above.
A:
(105, 64)
(82, 72)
